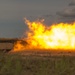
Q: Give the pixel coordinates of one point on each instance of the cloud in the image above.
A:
(72, 3)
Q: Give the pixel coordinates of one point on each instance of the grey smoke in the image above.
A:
(68, 13)
(72, 3)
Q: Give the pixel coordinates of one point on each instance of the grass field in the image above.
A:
(17, 64)
(36, 62)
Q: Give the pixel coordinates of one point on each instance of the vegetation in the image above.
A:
(15, 64)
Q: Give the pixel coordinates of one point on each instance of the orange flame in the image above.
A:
(39, 36)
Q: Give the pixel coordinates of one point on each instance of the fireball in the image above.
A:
(43, 37)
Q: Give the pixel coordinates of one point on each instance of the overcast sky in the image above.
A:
(12, 13)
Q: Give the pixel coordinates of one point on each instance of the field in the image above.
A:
(37, 63)
(20, 64)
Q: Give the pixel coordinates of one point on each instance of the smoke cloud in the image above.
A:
(72, 3)
(67, 14)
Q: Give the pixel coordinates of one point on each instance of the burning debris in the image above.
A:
(42, 37)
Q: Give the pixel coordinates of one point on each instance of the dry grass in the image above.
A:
(16, 64)
(37, 63)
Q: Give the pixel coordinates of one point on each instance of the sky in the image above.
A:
(13, 12)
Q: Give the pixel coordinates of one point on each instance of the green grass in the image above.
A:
(11, 64)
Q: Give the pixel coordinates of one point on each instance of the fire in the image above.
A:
(42, 37)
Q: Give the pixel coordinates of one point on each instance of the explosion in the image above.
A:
(43, 37)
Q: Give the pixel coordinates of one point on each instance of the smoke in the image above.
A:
(68, 13)
(72, 3)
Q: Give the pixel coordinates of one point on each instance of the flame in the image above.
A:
(42, 37)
